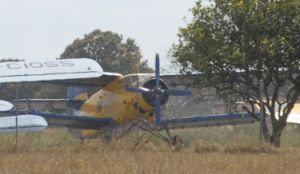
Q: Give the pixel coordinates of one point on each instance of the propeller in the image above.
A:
(158, 92)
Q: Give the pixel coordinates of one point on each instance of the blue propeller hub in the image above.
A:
(156, 93)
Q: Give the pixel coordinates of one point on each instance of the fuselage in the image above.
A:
(113, 101)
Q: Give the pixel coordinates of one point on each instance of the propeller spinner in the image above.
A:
(158, 92)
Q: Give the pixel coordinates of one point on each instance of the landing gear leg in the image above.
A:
(108, 136)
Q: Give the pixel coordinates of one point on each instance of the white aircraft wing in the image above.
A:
(24, 123)
(78, 71)
(294, 118)
(5, 106)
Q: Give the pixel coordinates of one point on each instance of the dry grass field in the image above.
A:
(207, 150)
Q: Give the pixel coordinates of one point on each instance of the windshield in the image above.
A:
(134, 80)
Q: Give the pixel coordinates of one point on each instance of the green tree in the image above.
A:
(238, 43)
(109, 50)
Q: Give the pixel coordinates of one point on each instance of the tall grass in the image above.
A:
(207, 150)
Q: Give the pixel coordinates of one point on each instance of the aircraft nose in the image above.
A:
(157, 92)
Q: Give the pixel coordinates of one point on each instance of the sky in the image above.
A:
(41, 29)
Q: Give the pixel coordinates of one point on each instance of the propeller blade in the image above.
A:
(157, 111)
(138, 90)
(178, 92)
(157, 74)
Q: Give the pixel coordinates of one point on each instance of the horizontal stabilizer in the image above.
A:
(5, 106)
(205, 121)
(23, 123)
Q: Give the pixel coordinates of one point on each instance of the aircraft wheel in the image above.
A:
(177, 143)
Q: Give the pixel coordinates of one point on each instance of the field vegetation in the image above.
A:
(206, 150)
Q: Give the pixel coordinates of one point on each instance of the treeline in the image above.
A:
(109, 49)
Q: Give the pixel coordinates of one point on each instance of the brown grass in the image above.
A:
(56, 152)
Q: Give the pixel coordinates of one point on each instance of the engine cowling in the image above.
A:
(150, 97)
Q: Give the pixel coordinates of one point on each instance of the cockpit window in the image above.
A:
(134, 80)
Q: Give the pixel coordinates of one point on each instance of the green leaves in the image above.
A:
(240, 34)
(109, 49)
(260, 39)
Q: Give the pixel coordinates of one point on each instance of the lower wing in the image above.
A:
(56, 120)
(209, 120)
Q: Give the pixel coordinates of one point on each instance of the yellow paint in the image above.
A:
(113, 101)
(82, 96)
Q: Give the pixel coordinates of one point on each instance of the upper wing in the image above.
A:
(79, 71)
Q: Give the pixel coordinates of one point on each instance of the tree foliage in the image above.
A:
(237, 43)
(109, 50)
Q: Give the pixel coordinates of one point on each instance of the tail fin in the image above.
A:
(77, 93)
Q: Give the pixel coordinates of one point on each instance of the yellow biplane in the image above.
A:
(122, 99)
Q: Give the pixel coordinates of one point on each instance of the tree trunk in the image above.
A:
(265, 132)
(275, 138)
